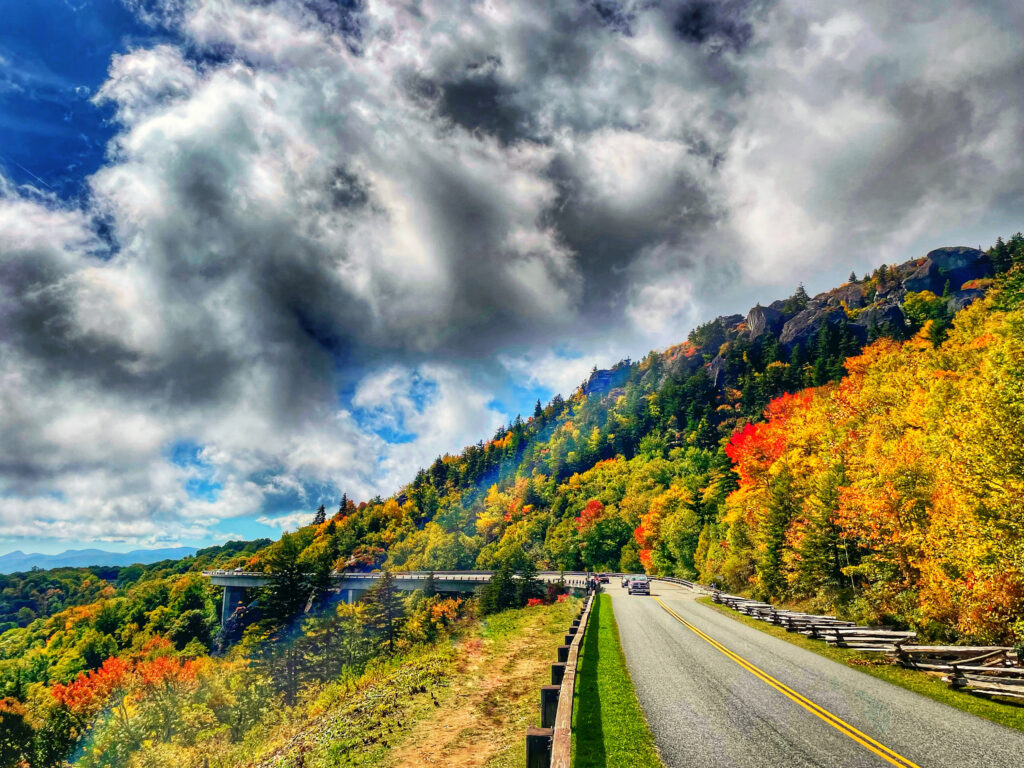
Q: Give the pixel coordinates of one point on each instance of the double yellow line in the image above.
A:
(840, 725)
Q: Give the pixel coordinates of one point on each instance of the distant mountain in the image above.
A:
(13, 562)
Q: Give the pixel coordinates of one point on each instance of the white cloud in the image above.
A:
(286, 522)
(420, 205)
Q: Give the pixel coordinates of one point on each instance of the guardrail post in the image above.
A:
(563, 653)
(557, 673)
(569, 637)
(538, 747)
(548, 705)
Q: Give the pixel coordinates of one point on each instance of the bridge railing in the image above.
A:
(571, 578)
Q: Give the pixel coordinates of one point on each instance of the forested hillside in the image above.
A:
(856, 451)
(663, 465)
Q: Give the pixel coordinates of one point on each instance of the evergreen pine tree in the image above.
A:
(430, 585)
(386, 609)
(321, 515)
(500, 593)
(289, 587)
(797, 302)
(527, 584)
(321, 578)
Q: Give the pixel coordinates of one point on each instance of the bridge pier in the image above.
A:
(232, 597)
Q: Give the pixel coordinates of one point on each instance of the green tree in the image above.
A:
(528, 586)
(15, 733)
(797, 302)
(289, 588)
(321, 515)
(499, 594)
(782, 508)
(189, 626)
(430, 585)
(95, 648)
(386, 610)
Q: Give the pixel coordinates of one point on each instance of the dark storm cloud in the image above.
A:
(313, 208)
(717, 23)
(481, 104)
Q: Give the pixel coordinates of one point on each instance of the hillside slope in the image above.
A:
(632, 470)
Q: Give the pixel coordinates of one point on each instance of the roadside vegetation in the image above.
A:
(925, 684)
(145, 679)
(609, 728)
(463, 701)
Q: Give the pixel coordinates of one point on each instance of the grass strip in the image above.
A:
(609, 728)
(1005, 714)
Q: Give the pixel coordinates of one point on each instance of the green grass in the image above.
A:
(870, 663)
(609, 728)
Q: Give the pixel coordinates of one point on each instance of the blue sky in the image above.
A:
(256, 255)
(55, 56)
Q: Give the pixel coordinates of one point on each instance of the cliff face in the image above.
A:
(872, 306)
(861, 310)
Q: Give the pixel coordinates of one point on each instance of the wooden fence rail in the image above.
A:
(550, 745)
(991, 671)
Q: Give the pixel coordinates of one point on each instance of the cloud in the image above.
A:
(286, 522)
(329, 238)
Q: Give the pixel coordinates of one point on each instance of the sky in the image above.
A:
(255, 254)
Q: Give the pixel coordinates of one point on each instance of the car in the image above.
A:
(603, 578)
(640, 585)
(625, 581)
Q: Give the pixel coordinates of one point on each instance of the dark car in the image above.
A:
(639, 585)
(603, 578)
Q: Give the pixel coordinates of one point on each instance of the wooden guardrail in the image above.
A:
(991, 671)
(550, 745)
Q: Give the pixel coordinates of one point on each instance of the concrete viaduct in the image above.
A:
(353, 585)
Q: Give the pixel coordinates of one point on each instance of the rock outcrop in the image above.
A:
(882, 316)
(960, 299)
(959, 265)
(761, 320)
(805, 325)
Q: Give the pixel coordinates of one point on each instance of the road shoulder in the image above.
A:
(609, 727)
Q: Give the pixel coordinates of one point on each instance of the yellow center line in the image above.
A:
(840, 725)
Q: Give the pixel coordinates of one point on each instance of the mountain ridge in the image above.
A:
(18, 561)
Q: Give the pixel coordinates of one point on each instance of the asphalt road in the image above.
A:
(708, 710)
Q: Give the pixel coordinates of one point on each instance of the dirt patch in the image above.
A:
(484, 712)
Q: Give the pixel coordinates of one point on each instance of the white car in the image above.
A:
(639, 585)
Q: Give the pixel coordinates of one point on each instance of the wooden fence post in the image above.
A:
(548, 705)
(557, 673)
(538, 747)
